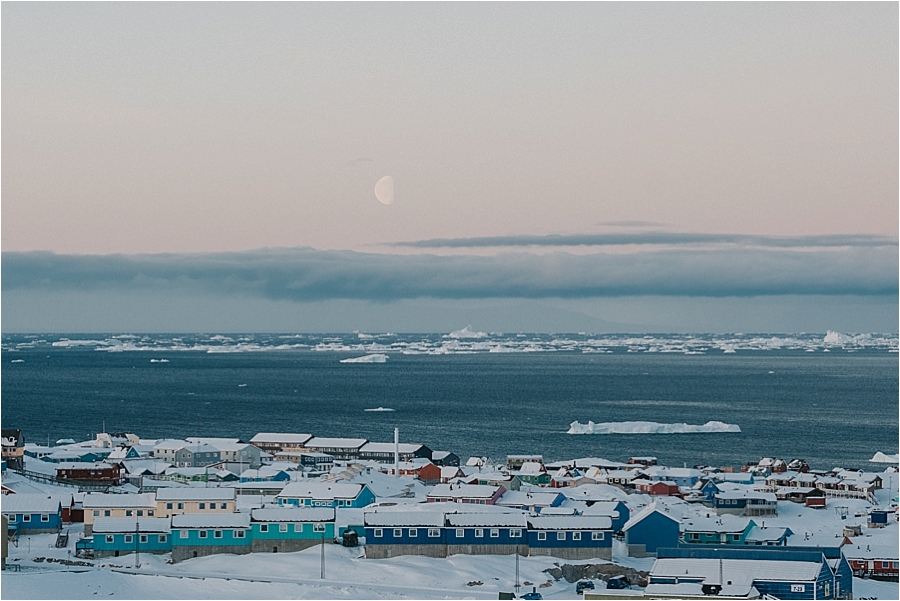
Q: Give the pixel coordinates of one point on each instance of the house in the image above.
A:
(798, 494)
(32, 513)
(767, 536)
(620, 478)
(745, 572)
(344, 449)
(659, 488)
(650, 529)
(176, 501)
(507, 481)
(745, 502)
(326, 494)
(111, 440)
(530, 501)
(719, 530)
(393, 533)
(445, 459)
(197, 455)
(515, 462)
(77, 455)
(266, 473)
(479, 494)
(99, 473)
(274, 443)
(286, 529)
(383, 452)
(422, 469)
(451, 472)
(102, 505)
(533, 472)
(873, 560)
(13, 448)
(486, 534)
(570, 537)
(617, 511)
(231, 450)
(165, 450)
(197, 535)
(120, 454)
(113, 537)
(315, 462)
(644, 461)
(684, 477)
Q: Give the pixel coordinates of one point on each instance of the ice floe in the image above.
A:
(880, 457)
(380, 409)
(373, 358)
(649, 428)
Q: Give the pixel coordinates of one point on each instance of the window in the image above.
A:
(238, 533)
(217, 534)
(129, 538)
(515, 532)
(495, 532)
(377, 532)
(128, 513)
(597, 536)
(282, 527)
(694, 536)
(398, 532)
(298, 527)
(576, 536)
(542, 536)
(202, 505)
(161, 538)
(184, 534)
(110, 538)
(203, 534)
(143, 538)
(45, 517)
(479, 533)
(413, 532)
(885, 564)
(560, 536)
(434, 533)
(223, 505)
(181, 506)
(168, 506)
(263, 527)
(106, 513)
(26, 517)
(150, 512)
(96, 512)
(460, 533)
(735, 537)
(318, 527)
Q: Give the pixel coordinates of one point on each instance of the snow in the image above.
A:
(649, 428)
(373, 358)
(880, 457)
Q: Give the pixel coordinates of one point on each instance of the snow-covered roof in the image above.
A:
(439, 455)
(747, 494)
(603, 508)
(487, 520)
(211, 520)
(532, 468)
(388, 447)
(646, 511)
(172, 444)
(293, 514)
(518, 497)
(559, 511)
(321, 490)
(570, 522)
(83, 465)
(390, 519)
(127, 525)
(29, 503)
(96, 500)
(336, 443)
(195, 494)
(758, 534)
(718, 524)
(463, 491)
(275, 438)
(872, 551)
(738, 571)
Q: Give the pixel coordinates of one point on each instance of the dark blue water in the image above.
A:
(835, 408)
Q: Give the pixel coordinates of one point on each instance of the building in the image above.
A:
(94, 473)
(32, 513)
(344, 449)
(383, 452)
(197, 535)
(326, 494)
(745, 502)
(649, 530)
(445, 459)
(530, 501)
(113, 537)
(719, 530)
(274, 443)
(109, 506)
(287, 528)
(617, 511)
(873, 560)
(570, 536)
(466, 493)
(393, 533)
(13, 448)
(486, 534)
(177, 501)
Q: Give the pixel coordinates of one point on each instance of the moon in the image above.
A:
(384, 190)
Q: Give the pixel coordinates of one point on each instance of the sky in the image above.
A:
(557, 166)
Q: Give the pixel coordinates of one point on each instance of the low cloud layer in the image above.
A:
(304, 275)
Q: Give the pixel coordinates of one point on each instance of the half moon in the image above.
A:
(384, 190)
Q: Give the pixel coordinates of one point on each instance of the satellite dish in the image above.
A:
(384, 190)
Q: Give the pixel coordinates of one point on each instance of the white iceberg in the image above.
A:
(379, 409)
(159, 360)
(373, 358)
(649, 428)
(466, 332)
(880, 457)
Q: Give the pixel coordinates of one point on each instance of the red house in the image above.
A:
(101, 473)
(877, 561)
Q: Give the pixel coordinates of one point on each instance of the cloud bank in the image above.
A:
(306, 275)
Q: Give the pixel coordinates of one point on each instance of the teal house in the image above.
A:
(196, 535)
(288, 528)
(326, 494)
(717, 530)
(113, 537)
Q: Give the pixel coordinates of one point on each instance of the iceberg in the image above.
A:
(466, 332)
(374, 358)
(880, 457)
(649, 428)
(380, 409)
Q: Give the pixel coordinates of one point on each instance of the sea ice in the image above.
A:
(380, 409)
(373, 358)
(649, 428)
(880, 457)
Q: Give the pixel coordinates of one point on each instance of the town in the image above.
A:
(772, 527)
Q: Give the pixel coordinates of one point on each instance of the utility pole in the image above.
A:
(137, 544)
(322, 565)
(517, 571)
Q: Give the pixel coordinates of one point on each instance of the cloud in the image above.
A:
(304, 275)
(657, 238)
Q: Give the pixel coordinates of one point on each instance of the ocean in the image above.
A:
(832, 400)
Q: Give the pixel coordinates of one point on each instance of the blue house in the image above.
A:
(393, 533)
(486, 533)
(570, 536)
(650, 529)
(786, 573)
(617, 511)
(113, 537)
(198, 534)
(745, 502)
(326, 494)
(32, 513)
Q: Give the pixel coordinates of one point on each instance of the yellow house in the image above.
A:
(177, 501)
(103, 505)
